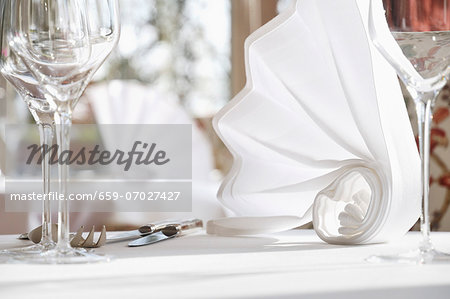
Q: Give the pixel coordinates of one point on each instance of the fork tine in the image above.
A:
(78, 240)
(102, 239)
(89, 242)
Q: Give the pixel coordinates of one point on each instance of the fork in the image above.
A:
(79, 241)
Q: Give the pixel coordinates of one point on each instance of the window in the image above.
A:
(181, 48)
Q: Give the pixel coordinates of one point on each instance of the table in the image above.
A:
(290, 264)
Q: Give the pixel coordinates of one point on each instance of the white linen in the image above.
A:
(128, 102)
(320, 131)
(294, 264)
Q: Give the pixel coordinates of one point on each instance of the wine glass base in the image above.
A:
(418, 256)
(61, 256)
(36, 249)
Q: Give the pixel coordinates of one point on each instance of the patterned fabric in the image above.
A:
(440, 163)
(419, 15)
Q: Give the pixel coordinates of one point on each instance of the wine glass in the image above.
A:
(42, 108)
(63, 43)
(414, 36)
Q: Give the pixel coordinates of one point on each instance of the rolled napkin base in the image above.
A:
(244, 226)
(347, 211)
(352, 207)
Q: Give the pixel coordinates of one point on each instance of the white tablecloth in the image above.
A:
(291, 264)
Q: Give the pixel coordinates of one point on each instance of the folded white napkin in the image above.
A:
(320, 132)
(128, 102)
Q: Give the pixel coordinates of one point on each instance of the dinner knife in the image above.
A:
(142, 231)
(170, 231)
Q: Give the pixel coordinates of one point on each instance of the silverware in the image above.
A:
(150, 239)
(79, 241)
(23, 236)
(162, 230)
(125, 236)
(141, 231)
(169, 231)
(156, 226)
(36, 234)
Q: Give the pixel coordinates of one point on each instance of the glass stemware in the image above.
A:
(416, 42)
(42, 109)
(63, 43)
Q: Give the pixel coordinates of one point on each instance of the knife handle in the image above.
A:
(156, 226)
(182, 228)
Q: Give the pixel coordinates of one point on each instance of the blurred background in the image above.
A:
(182, 61)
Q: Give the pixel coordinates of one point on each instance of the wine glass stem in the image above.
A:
(46, 132)
(64, 121)
(424, 109)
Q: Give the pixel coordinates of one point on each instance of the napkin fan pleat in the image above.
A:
(320, 132)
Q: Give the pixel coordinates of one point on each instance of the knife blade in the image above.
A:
(129, 235)
(169, 232)
(150, 239)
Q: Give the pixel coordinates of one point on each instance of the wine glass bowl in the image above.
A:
(413, 36)
(51, 38)
(422, 29)
(428, 52)
(40, 104)
(103, 26)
